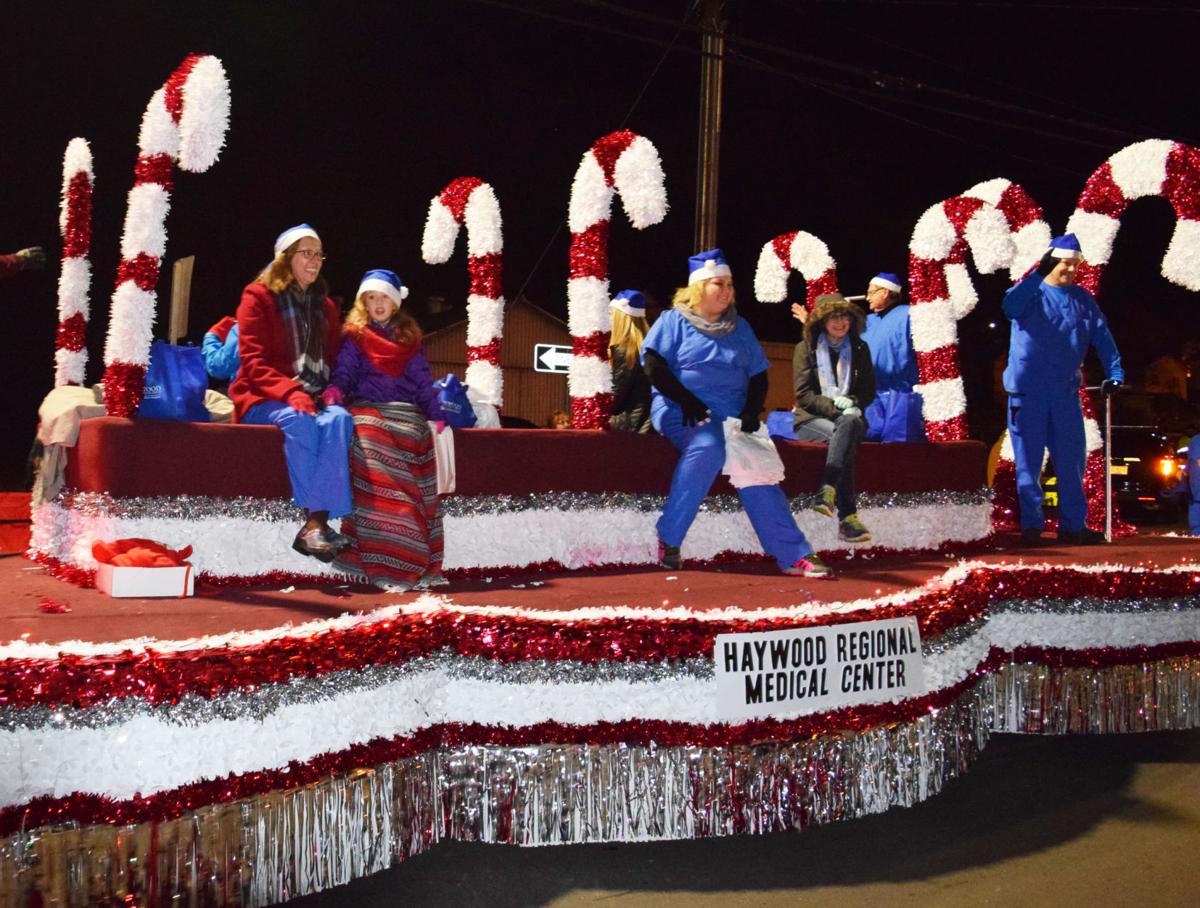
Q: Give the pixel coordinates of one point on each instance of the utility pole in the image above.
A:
(712, 62)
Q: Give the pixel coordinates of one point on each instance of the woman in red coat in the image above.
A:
(289, 331)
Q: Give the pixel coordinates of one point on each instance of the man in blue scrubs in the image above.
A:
(895, 414)
(1054, 322)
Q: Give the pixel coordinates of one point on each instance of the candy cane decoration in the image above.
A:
(629, 164)
(470, 200)
(942, 293)
(75, 280)
(795, 251)
(184, 123)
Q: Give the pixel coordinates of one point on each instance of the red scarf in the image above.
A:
(385, 354)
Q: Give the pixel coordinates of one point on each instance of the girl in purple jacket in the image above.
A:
(382, 377)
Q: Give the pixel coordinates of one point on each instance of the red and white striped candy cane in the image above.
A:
(942, 293)
(629, 164)
(470, 200)
(75, 280)
(185, 123)
(795, 251)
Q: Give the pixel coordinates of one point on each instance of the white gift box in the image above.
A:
(145, 582)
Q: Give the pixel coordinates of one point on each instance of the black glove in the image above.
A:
(1109, 386)
(694, 410)
(756, 396)
(750, 422)
(1047, 264)
(32, 259)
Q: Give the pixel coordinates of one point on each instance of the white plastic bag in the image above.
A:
(750, 459)
(443, 450)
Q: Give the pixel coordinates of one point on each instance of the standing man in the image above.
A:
(888, 336)
(1054, 321)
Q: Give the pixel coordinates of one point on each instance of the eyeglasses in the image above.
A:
(312, 254)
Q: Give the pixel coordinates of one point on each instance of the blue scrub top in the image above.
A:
(715, 369)
(1052, 328)
(887, 335)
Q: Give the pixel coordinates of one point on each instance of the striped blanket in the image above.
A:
(397, 516)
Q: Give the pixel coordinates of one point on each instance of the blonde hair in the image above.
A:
(628, 331)
(277, 276)
(690, 295)
(404, 327)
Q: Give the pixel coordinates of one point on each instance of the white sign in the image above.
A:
(803, 670)
(551, 358)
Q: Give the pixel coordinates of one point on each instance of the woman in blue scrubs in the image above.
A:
(706, 365)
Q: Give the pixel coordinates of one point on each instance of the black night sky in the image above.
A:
(845, 119)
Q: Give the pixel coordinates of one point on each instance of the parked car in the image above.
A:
(1148, 430)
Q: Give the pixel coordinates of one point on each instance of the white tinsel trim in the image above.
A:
(933, 236)
(770, 276)
(145, 220)
(76, 159)
(1140, 169)
(587, 306)
(485, 319)
(204, 118)
(74, 282)
(591, 196)
(130, 326)
(639, 180)
(1181, 264)
(810, 255)
(441, 230)
(158, 133)
(989, 191)
(69, 367)
(963, 297)
(942, 400)
(588, 376)
(487, 381)
(1031, 241)
(990, 239)
(1093, 438)
(1096, 233)
(485, 232)
(1006, 448)
(932, 325)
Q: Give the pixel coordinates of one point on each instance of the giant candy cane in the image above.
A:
(184, 123)
(470, 200)
(629, 164)
(942, 293)
(798, 251)
(1156, 167)
(75, 279)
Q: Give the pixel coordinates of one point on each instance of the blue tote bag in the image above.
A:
(175, 384)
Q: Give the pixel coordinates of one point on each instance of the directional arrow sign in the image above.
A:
(551, 358)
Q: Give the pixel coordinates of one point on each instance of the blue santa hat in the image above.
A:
(887, 281)
(708, 264)
(631, 302)
(292, 235)
(1065, 247)
(386, 282)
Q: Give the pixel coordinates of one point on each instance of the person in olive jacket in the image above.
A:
(835, 383)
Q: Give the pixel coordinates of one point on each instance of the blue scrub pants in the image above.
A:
(1038, 423)
(1193, 481)
(317, 451)
(702, 456)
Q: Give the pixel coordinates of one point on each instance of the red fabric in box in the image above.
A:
(145, 457)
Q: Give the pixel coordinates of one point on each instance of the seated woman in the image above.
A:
(835, 383)
(381, 371)
(289, 331)
(631, 388)
(703, 362)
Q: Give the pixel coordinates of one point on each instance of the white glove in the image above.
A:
(852, 411)
(843, 403)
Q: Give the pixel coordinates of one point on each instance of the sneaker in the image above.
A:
(429, 582)
(339, 541)
(851, 529)
(1031, 536)
(1081, 537)
(314, 544)
(669, 557)
(826, 501)
(810, 566)
(392, 586)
